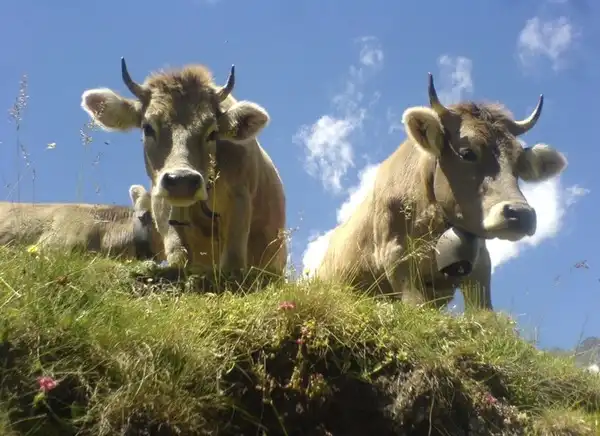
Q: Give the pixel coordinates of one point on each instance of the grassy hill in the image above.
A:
(134, 358)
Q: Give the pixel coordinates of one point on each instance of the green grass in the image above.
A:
(132, 358)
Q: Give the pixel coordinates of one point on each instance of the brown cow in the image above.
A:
(458, 167)
(191, 129)
(117, 231)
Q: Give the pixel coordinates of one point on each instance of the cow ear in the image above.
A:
(540, 162)
(243, 121)
(135, 192)
(424, 127)
(111, 111)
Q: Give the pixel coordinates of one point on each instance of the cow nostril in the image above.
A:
(522, 217)
(168, 180)
(194, 182)
(511, 213)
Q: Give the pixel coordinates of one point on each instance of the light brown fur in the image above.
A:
(421, 189)
(98, 228)
(183, 109)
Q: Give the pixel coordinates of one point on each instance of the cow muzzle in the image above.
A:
(181, 187)
(511, 221)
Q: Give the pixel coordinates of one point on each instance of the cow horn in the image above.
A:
(520, 127)
(434, 101)
(136, 89)
(224, 91)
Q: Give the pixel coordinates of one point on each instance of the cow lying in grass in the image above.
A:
(117, 231)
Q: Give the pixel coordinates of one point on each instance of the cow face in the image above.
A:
(142, 204)
(478, 161)
(181, 118)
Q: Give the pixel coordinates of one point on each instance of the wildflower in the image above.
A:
(33, 249)
(287, 305)
(46, 383)
(490, 399)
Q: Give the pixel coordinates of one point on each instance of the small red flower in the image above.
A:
(299, 341)
(287, 305)
(490, 399)
(47, 383)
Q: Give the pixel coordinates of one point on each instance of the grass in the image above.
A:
(135, 358)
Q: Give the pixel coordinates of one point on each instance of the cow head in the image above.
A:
(182, 114)
(142, 204)
(478, 161)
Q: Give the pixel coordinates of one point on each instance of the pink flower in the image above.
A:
(287, 305)
(47, 383)
(490, 399)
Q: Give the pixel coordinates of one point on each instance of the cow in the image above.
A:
(207, 168)
(459, 167)
(117, 231)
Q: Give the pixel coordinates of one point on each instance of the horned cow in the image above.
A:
(193, 130)
(459, 167)
(117, 231)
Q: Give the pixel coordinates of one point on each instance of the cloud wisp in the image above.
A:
(551, 39)
(456, 81)
(327, 142)
(551, 201)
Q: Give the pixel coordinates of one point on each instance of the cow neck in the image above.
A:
(447, 144)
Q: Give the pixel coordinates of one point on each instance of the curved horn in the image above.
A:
(224, 91)
(136, 89)
(520, 127)
(434, 101)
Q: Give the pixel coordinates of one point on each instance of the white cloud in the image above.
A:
(329, 152)
(394, 120)
(551, 201)
(574, 192)
(456, 81)
(371, 54)
(315, 250)
(551, 39)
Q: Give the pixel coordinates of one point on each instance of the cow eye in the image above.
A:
(467, 154)
(148, 130)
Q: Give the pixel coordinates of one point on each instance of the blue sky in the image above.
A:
(335, 77)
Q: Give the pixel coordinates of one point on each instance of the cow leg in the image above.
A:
(395, 271)
(172, 236)
(237, 230)
(177, 254)
(476, 288)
